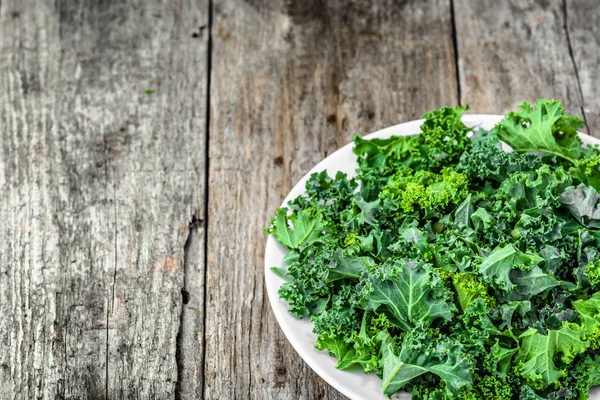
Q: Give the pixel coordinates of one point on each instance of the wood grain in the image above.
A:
(99, 179)
(291, 82)
(513, 51)
(583, 18)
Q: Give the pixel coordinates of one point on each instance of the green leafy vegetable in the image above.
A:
(587, 171)
(546, 128)
(582, 202)
(469, 288)
(421, 353)
(451, 268)
(306, 228)
(412, 295)
(589, 314)
(536, 357)
(497, 267)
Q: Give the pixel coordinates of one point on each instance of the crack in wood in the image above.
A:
(575, 67)
(456, 55)
(209, 50)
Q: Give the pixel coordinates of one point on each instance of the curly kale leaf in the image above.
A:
(338, 334)
(444, 134)
(306, 228)
(386, 154)
(527, 393)
(469, 288)
(536, 189)
(305, 273)
(348, 266)
(546, 128)
(423, 352)
(499, 359)
(475, 330)
(411, 294)
(532, 282)
(497, 267)
(587, 171)
(486, 160)
(483, 387)
(581, 376)
(537, 354)
(320, 188)
(592, 273)
(442, 140)
(424, 190)
(582, 202)
(589, 314)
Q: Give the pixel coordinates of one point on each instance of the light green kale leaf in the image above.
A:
(589, 315)
(546, 128)
(587, 171)
(307, 228)
(536, 356)
(469, 288)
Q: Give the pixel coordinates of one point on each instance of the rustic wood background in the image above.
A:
(144, 145)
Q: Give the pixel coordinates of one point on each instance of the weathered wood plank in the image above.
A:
(583, 19)
(512, 51)
(98, 182)
(291, 82)
(190, 341)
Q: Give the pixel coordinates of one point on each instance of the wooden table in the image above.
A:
(145, 144)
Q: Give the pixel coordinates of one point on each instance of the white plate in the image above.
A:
(354, 384)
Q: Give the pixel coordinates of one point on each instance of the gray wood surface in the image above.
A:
(99, 181)
(109, 287)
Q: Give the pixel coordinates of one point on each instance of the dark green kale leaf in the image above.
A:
(410, 294)
(486, 160)
(422, 352)
(348, 266)
(304, 289)
(475, 330)
(532, 282)
(497, 267)
(582, 202)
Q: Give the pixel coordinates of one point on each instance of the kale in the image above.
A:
(451, 268)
